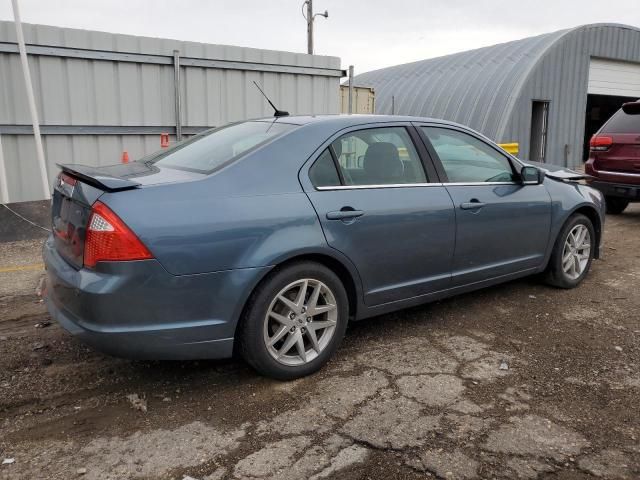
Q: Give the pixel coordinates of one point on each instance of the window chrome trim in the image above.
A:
(388, 185)
(472, 184)
(407, 185)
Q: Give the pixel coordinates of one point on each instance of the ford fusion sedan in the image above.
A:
(267, 237)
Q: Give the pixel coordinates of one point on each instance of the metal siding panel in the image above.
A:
(194, 96)
(153, 104)
(129, 88)
(16, 94)
(107, 104)
(99, 92)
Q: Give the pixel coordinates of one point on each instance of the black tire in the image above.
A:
(251, 341)
(555, 275)
(616, 205)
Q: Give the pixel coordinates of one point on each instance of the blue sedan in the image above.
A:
(266, 237)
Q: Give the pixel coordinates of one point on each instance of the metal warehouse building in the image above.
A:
(99, 94)
(549, 93)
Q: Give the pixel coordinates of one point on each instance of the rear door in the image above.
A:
(382, 207)
(503, 226)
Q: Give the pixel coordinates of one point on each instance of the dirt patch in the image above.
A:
(515, 381)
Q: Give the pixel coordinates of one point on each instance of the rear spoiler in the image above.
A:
(97, 177)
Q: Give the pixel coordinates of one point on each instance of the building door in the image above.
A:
(539, 128)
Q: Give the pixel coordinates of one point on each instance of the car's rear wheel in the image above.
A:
(572, 253)
(294, 321)
(616, 205)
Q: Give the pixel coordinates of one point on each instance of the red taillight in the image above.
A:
(600, 144)
(109, 239)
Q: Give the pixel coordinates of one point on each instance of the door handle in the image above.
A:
(474, 204)
(344, 213)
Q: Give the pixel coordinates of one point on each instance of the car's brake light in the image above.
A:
(109, 239)
(600, 144)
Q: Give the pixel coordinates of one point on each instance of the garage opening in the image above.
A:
(539, 126)
(611, 83)
(600, 108)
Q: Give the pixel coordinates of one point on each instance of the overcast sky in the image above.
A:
(369, 34)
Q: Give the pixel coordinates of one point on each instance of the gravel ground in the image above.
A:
(516, 381)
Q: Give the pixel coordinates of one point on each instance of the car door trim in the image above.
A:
(408, 185)
(391, 185)
(472, 184)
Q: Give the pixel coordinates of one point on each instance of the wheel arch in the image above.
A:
(592, 214)
(345, 271)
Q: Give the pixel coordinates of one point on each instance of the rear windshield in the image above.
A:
(214, 149)
(622, 123)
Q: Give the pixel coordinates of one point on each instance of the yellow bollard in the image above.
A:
(512, 148)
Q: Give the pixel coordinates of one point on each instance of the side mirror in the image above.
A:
(531, 175)
(631, 108)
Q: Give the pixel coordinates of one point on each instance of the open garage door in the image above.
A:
(611, 83)
(613, 77)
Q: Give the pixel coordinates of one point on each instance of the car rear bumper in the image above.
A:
(621, 190)
(139, 310)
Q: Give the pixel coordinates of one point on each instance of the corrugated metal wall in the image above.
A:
(562, 77)
(491, 89)
(99, 94)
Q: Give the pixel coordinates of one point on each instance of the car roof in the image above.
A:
(344, 119)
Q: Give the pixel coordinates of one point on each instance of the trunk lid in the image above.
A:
(623, 155)
(70, 212)
(79, 186)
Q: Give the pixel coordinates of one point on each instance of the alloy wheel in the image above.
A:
(576, 251)
(300, 322)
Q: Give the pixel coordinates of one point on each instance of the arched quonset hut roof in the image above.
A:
(481, 88)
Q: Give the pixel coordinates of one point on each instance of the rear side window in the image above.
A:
(214, 149)
(622, 123)
(378, 156)
(323, 173)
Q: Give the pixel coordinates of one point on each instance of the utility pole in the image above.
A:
(310, 27)
(310, 17)
(32, 101)
(350, 109)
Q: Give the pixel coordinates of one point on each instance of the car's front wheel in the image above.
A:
(572, 253)
(294, 321)
(615, 205)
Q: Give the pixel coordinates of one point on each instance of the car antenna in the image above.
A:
(276, 112)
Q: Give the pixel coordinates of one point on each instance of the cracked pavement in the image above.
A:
(516, 381)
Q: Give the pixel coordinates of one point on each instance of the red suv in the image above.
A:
(614, 158)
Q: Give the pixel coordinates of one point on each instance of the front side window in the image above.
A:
(211, 150)
(466, 159)
(378, 156)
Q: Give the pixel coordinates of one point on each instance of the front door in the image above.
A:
(376, 206)
(503, 226)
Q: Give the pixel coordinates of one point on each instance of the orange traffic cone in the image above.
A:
(125, 157)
